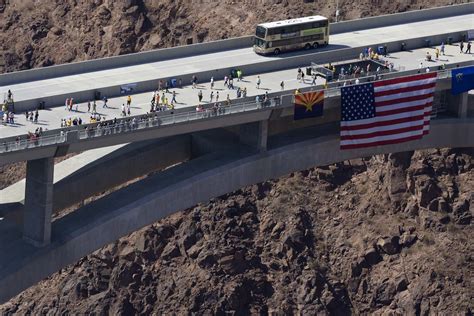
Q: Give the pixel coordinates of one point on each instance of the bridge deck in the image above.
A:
(51, 118)
(231, 58)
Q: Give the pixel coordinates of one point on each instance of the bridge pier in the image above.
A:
(255, 135)
(459, 104)
(38, 201)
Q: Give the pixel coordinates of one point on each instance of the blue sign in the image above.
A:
(462, 80)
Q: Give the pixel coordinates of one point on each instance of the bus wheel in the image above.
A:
(316, 45)
(276, 51)
(307, 46)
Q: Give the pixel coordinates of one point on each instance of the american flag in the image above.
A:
(386, 112)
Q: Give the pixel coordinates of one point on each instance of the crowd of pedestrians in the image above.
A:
(212, 98)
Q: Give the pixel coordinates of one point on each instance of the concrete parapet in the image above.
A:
(401, 18)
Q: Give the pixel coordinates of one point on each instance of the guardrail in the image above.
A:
(132, 124)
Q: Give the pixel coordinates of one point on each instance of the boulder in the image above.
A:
(389, 245)
(461, 212)
(372, 256)
(428, 190)
(407, 239)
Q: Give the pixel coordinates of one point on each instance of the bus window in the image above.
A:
(260, 32)
(259, 42)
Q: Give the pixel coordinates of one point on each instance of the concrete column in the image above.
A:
(38, 201)
(463, 98)
(255, 135)
(458, 104)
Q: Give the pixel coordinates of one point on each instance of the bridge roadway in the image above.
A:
(187, 97)
(186, 66)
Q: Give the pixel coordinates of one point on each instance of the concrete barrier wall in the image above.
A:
(104, 221)
(402, 18)
(124, 60)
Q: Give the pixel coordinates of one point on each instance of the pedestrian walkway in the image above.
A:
(187, 96)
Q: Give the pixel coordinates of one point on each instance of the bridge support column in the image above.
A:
(38, 201)
(255, 135)
(459, 104)
(463, 102)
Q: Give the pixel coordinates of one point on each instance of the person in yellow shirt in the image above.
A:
(297, 91)
(129, 100)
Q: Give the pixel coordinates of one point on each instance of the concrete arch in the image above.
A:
(212, 175)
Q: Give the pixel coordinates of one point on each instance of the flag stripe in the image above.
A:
(429, 75)
(381, 143)
(381, 93)
(381, 109)
(379, 121)
(377, 134)
(382, 128)
(408, 98)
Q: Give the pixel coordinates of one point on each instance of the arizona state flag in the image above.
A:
(308, 105)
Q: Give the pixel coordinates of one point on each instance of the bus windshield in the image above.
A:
(259, 42)
(260, 32)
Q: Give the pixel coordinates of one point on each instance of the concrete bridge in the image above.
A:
(201, 157)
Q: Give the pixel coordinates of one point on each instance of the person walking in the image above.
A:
(36, 116)
(211, 96)
(437, 53)
(442, 48)
(282, 85)
(212, 83)
(123, 110)
(167, 86)
(200, 96)
(173, 99)
(94, 107)
(468, 48)
(227, 101)
(129, 100)
(105, 102)
(88, 106)
(66, 104)
(217, 96)
(461, 46)
(259, 81)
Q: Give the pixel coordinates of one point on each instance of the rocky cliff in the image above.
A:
(37, 33)
(390, 235)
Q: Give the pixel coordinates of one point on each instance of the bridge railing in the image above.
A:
(151, 120)
(33, 141)
(134, 124)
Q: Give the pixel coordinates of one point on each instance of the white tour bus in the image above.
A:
(276, 37)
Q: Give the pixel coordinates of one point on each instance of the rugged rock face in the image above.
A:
(43, 33)
(332, 240)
